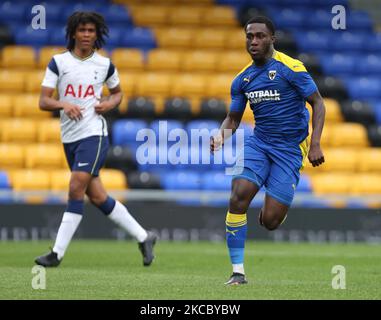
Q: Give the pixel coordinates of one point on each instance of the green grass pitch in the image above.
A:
(184, 270)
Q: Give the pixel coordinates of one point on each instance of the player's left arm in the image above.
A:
(315, 155)
(110, 102)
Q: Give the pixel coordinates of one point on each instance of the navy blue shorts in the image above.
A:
(88, 155)
(275, 167)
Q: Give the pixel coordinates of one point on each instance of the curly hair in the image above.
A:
(78, 18)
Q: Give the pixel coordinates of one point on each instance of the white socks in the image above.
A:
(238, 268)
(122, 218)
(69, 224)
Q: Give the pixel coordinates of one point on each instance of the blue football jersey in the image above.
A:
(277, 93)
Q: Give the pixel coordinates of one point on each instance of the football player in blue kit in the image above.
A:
(277, 88)
(79, 74)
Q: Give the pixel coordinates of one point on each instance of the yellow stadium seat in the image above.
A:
(189, 85)
(59, 180)
(199, 60)
(27, 105)
(149, 15)
(29, 179)
(153, 84)
(331, 183)
(174, 38)
(233, 61)
(12, 81)
(14, 156)
(18, 57)
(340, 160)
(19, 130)
(185, 16)
(209, 39)
(128, 81)
(248, 116)
(370, 160)
(236, 40)
(196, 2)
(113, 179)
(366, 184)
(219, 16)
(220, 86)
(49, 131)
(333, 111)
(164, 60)
(6, 103)
(348, 135)
(46, 54)
(34, 80)
(44, 156)
(128, 59)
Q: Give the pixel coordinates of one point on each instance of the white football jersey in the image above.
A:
(80, 82)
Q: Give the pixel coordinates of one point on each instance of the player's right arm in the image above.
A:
(233, 118)
(48, 103)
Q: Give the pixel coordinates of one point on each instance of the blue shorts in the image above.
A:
(88, 155)
(275, 166)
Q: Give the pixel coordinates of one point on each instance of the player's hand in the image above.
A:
(216, 143)
(73, 111)
(103, 106)
(315, 155)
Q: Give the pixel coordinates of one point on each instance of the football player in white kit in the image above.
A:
(79, 75)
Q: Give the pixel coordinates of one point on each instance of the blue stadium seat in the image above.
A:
(287, 18)
(349, 42)
(369, 65)
(116, 14)
(4, 180)
(114, 37)
(202, 124)
(373, 43)
(313, 41)
(338, 64)
(319, 20)
(216, 181)
(166, 125)
(12, 12)
(124, 131)
(364, 88)
(304, 184)
(70, 8)
(53, 12)
(377, 110)
(57, 36)
(29, 36)
(359, 21)
(181, 180)
(142, 38)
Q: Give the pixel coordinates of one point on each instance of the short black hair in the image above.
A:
(262, 19)
(81, 17)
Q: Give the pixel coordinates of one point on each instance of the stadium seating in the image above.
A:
(14, 156)
(18, 57)
(176, 61)
(113, 179)
(6, 105)
(28, 180)
(44, 156)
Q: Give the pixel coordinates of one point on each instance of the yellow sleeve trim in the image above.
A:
(294, 64)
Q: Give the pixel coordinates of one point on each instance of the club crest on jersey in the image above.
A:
(272, 74)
